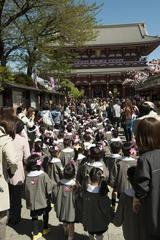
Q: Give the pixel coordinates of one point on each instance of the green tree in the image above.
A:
(23, 78)
(71, 90)
(5, 76)
(10, 11)
(33, 29)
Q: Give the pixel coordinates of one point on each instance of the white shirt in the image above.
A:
(117, 110)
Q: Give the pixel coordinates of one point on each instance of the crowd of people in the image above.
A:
(81, 160)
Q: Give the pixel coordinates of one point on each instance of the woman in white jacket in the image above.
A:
(8, 166)
(16, 183)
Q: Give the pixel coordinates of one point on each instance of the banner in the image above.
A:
(34, 77)
(52, 81)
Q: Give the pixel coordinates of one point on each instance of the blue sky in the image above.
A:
(132, 11)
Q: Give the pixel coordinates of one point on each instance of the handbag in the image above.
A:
(47, 118)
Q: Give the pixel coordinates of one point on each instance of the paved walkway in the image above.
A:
(23, 230)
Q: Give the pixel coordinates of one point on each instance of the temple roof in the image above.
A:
(122, 34)
(34, 89)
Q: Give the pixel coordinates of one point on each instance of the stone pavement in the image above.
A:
(22, 231)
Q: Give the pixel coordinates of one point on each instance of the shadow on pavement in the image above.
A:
(24, 227)
(56, 232)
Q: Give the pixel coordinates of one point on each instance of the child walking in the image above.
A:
(111, 163)
(125, 216)
(127, 161)
(65, 200)
(97, 211)
(38, 150)
(115, 136)
(68, 152)
(55, 168)
(38, 188)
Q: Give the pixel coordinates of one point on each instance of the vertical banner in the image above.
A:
(52, 81)
(34, 77)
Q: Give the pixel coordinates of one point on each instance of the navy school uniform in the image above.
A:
(97, 211)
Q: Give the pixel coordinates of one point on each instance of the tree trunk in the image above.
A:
(30, 63)
(3, 60)
(29, 70)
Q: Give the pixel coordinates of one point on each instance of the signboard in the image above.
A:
(17, 98)
(34, 100)
(106, 62)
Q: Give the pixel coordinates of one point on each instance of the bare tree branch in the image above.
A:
(24, 9)
(2, 2)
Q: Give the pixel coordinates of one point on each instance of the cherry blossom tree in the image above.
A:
(137, 78)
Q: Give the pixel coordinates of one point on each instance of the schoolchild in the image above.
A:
(38, 187)
(31, 132)
(100, 123)
(100, 142)
(115, 136)
(47, 142)
(111, 162)
(127, 161)
(69, 130)
(108, 131)
(87, 140)
(42, 130)
(68, 152)
(38, 150)
(125, 216)
(65, 200)
(95, 161)
(37, 147)
(79, 158)
(55, 168)
(97, 211)
(45, 146)
(60, 139)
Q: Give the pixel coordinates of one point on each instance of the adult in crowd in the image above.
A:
(147, 177)
(67, 111)
(109, 111)
(31, 113)
(31, 131)
(6, 112)
(94, 106)
(148, 109)
(45, 116)
(135, 108)
(117, 113)
(56, 116)
(28, 120)
(8, 160)
(16, 183)
(127, 119)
